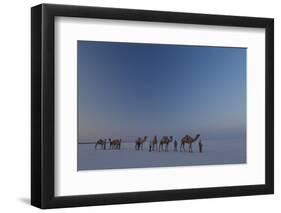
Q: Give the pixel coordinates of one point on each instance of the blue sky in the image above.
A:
(127, 90)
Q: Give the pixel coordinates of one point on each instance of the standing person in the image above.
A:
(154, 143)
(200, 146)
(110, 144)
(150, 145)
(104, 144)
(175, 146)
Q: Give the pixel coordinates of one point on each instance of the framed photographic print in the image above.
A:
(139, 106)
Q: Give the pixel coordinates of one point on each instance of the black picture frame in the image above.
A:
(43, 114)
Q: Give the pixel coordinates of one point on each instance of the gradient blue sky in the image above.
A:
(126, 90)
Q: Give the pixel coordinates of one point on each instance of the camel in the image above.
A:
(115, 144)
(154, 143)
(189, 140)
(165, 140)
(101, 143)
(139, 143)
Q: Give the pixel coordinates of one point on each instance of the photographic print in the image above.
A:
(155, 101)
(144, 105)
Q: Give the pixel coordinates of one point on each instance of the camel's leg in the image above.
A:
(184, 148)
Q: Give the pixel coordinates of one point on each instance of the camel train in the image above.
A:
(163, 146)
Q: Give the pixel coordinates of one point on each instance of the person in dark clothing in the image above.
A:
(200, 146)
(175, 146)
(150, 145)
